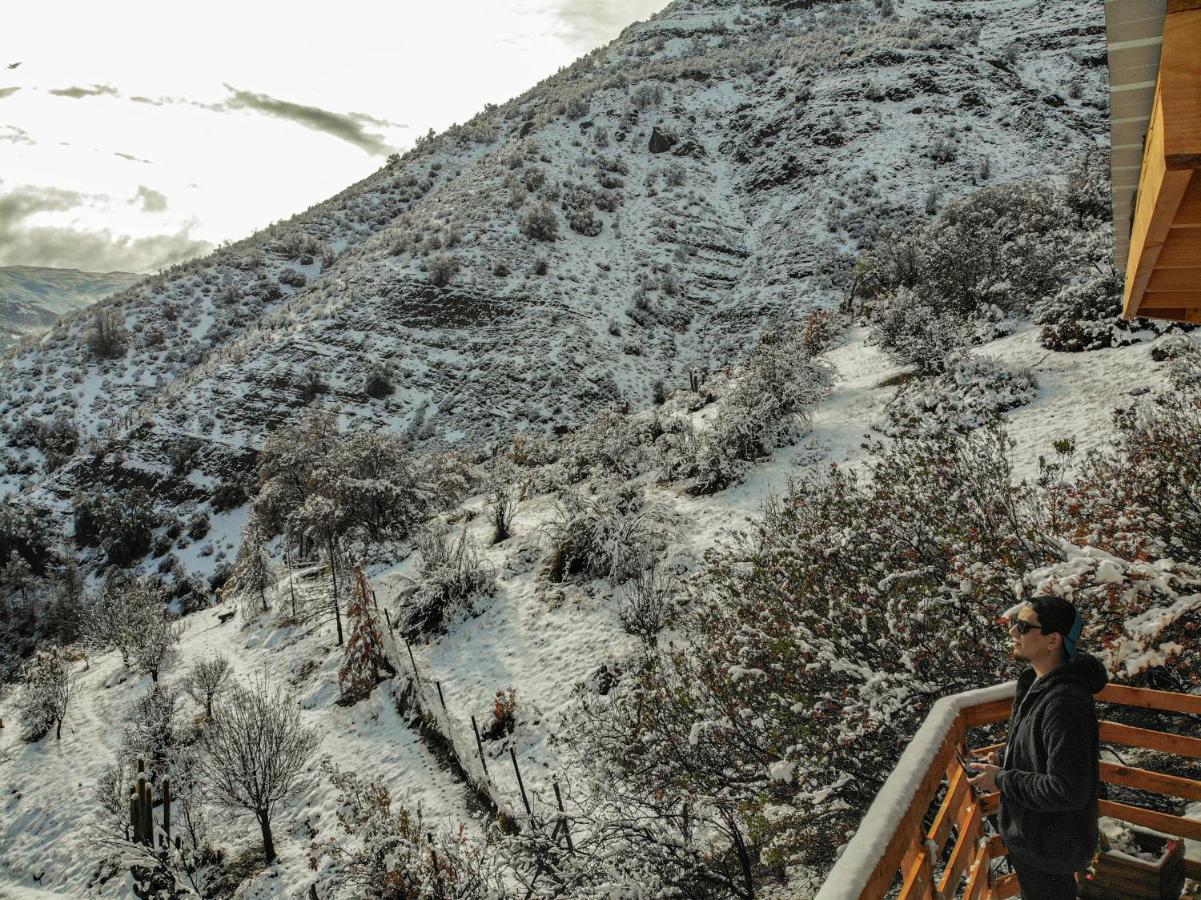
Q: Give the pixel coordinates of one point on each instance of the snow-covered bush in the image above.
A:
(392, 852)
(608, 536)
(766, 406)
(972, 391)
(1138, 615)
(819, 643)
(441, 269)
(915, 333)
(46, 689)
(365, 660)
(647, 603)
(1183, 357)
(452, 574)
(1141, 497)
(107, 337)
(1084, 315)
(539, 222)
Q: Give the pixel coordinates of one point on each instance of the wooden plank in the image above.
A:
(1188, 214)
(1159, 194)
(1006, 886)
(965, 849)
(977, 882)
(1172, 280)
(981, 752)
(886, 866)
(987, 713)
(1169, 300)
(1179, 75)
(1192, 869)
(1129, 736)
(948, 811)
(1155, 782)
(1181, 250)
(1149, 818)
(996, 847)
(919, 883)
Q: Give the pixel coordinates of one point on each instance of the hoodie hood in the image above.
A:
(1083, 669)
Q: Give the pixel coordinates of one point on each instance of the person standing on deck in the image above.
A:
(1049, 772)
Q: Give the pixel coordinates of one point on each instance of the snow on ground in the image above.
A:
(539, 639)
(46, 792)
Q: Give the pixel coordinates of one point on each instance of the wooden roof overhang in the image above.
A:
(1154, 52)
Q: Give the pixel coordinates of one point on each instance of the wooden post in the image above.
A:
(438, 684)
(479, 745)
(411, 659)
(563, 820)
(147, 814)
(313, 892)
(520, 784)
(388, 619)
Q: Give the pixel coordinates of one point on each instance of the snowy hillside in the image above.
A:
(32, 298)
(795, 134)
(591, 502)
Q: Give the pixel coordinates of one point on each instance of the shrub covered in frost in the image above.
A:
(601, 537)
(539, 222)
(766, 406)
(1084, 315)
(973, 391)
(451, 576)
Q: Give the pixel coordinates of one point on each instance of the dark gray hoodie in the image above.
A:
(1050, 773)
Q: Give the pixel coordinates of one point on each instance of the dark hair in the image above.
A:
(1057, 615)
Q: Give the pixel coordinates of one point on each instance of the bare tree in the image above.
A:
(256, 755)
(208, 679)
(253, 571)
(501, 507)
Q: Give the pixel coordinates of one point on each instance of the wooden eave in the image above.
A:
(1163, 260)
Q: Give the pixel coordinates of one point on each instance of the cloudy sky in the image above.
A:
(134, 134)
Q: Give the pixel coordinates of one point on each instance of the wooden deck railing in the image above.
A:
(895, 848)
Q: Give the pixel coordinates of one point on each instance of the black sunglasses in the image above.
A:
(1025, 627)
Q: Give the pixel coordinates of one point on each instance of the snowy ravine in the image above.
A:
(541, 640)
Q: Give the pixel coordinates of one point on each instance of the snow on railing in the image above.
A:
(855, 866)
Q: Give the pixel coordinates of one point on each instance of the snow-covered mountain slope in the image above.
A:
(539, 639)
(712, 170)
(32, 298)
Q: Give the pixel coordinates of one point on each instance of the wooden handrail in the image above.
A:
(891, 844)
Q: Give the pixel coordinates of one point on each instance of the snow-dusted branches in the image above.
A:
(257, 754)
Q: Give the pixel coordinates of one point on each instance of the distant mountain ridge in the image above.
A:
(32, 298)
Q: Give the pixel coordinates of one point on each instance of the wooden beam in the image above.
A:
(1176, 826)
(886, 866)
(1179, 83)
(970, 825)
(987, 713)
(1188, 214)
(1130, 736)
(1006, 886)
(1181, 249)
(1174, 279)
(1170, 300)
(919, 881)
(1155, 782)
(1192, 869)
(1149, 698)
(957, 790)
(1160, 191)
(977, 882)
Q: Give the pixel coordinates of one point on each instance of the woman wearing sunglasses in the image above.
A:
(1049, 773)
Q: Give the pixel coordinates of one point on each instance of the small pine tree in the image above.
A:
(365, 656)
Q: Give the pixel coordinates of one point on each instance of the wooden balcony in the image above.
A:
(914, 843)
(1163, 253)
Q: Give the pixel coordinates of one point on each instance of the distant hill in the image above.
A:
(32, 298)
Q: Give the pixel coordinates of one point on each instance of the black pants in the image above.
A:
(1039, 885)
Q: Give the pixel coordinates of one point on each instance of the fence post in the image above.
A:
(563, 819)
(520, 784)
(479, 745)
(438, 684)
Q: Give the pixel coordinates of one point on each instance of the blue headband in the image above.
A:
(1069, 639)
